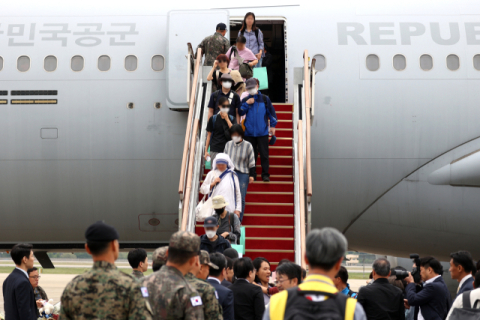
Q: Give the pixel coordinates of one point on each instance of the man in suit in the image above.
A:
(381, 300)
(18, 297)
(461, 266)
(215, 278)
(433, 300)
(247, 297)
(229, 277)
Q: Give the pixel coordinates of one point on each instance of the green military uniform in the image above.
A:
(212, 46)
(159, 258)
(40, 294)
(138, 275)
(212, 309)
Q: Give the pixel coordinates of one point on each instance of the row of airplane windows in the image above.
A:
(399, 61)
(77, 63)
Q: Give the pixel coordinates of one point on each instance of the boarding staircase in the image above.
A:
(277, 213)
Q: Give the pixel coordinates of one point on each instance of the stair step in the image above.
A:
(282, 107)
(273, 177)
(256, 207)
(284, 124)
(271, 255)
(273, 170)
(278, 160)
(271, 186)
(280, 151)
(270, 197)
(268, 219)
(284, 132)
(284, 115)
(284, 142)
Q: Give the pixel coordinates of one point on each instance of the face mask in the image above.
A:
(236, 139)
(225, 110)
(219, 211)
(210, 234)
(227, 84)
(252, 91)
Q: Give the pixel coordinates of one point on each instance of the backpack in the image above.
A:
(231, 220)
(215, 96)
(467, 312)
(245, 70)
(213, 126)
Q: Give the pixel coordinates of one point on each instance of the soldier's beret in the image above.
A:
(100, 231)
(185, 241)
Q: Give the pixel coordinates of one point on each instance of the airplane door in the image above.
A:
(186, 26)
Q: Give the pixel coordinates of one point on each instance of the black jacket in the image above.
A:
(211, 247)
(382, 301)
(18, 297)
(225, 297)
(248, 300)
(434, 299)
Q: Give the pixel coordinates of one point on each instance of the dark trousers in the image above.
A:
(260, 144)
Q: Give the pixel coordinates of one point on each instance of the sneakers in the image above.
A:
(266, 179)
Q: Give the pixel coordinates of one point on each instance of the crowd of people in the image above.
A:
(190, 283)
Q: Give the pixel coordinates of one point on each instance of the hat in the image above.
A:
(100, 231)
(226, 76)
(205, 259)
(185, 241)
(218, 202)
(251, 83)
(221, 26)
(272, 140)
(160, 255)
(210, 221)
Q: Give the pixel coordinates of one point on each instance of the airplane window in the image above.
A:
(399, 62)
(131, 63)
(426, 62)
(158, 62)
(476, 62)
(23, 63)
(77, 63)
(320, 62)
(50, 63)
(1, 63)
(373, 62)
(104, 63)
(453, 62)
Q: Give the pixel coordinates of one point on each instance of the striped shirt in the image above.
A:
(241, 154)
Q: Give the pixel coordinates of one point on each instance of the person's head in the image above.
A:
(240, 42)
(476, 282)
(236, 133)
(288, 275)
(183, 250)
(22, 255)
(102, 242)
(231, 253)
(159, 258)
(381, 268)
(226, 81)
(203, 265)
(252, 86)
(33, 276)
(325, 249)
(243, 269)
(341, 278)
(223, 61)
(221, 164)
(263, 270)
(461, 265)
(229, 274)
(219, 204)
(222, 28)
(210, 225)
(249, 22)
(430, 268)
(283, 261)
(220, 261)
(137, 258)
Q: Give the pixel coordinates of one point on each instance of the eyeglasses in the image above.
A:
(36, 277)
(282, 281)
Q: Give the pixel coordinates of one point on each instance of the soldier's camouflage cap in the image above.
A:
(185, 241)
(205, 259)
(160, 255)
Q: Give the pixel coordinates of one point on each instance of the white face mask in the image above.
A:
(226, 84)
(225, 110)
(252, 91)
(210, 234)
(236, 139)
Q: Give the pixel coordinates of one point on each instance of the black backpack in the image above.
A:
(467, 312)
(299, 307)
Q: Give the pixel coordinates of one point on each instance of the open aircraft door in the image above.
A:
(186, 26)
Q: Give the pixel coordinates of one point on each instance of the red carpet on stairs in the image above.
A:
(269, 209)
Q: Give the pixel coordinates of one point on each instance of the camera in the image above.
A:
(401, 274)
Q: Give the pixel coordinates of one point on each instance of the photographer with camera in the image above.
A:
(433, 301)
(381, 300)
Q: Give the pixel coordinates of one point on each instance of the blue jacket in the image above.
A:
(225, 298)
(434, 299)
(258, 113)
(211, 247)
(466, 286)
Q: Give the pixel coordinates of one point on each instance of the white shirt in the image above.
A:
(463, 281)
(458, 303)
(420, 316)
(225, 188)
(212, 278)
(25, 272)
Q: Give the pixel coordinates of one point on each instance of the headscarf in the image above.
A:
(224, 159)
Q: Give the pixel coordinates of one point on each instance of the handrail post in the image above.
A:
(306, 76)
(302, 192)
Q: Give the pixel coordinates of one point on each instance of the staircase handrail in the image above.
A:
(308, 112)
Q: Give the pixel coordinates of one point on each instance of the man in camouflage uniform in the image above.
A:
(159, 258)
(214, 45)
(104, 292)
(197, 278)
(171, 295)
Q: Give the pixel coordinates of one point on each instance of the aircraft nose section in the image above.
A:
(440, 176)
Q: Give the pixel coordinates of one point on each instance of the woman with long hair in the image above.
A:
(262, 275)
(254, 37)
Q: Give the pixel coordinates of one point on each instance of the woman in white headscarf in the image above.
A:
(227, 185)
